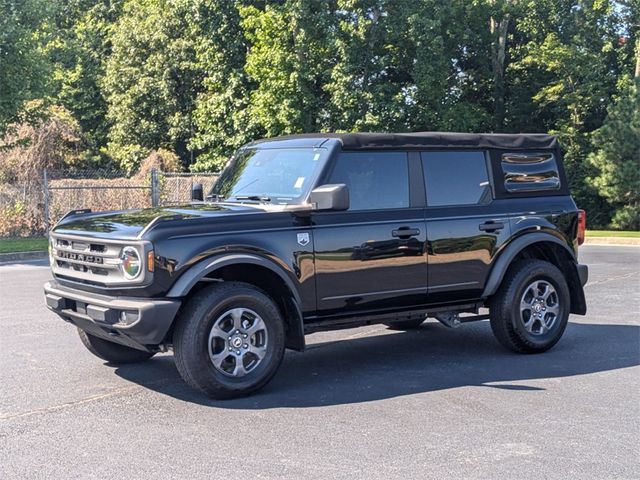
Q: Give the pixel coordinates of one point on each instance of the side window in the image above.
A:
(455, 178)
(376, 180)
(530, 172)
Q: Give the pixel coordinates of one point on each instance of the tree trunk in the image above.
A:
(364, 106)
(498, 52)
(637, 73)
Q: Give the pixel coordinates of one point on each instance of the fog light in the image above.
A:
(128, 317)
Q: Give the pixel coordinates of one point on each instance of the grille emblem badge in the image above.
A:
(303, 239)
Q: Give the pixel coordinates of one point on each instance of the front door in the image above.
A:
(372, 256)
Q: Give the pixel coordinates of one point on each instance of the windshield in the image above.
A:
(276, 175)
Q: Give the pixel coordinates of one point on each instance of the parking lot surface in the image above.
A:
(364, 403)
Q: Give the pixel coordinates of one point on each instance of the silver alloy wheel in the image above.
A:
(539, 307)
(237, 342)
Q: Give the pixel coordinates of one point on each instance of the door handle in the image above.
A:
(491, 226)
(405, 232)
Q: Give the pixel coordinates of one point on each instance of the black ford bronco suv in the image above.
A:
(325, 231)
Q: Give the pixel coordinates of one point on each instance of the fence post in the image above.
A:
(155, 190)
(45, 186)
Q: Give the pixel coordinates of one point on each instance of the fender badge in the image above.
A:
(303, 239)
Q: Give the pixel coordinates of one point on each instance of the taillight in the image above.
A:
(582, 225)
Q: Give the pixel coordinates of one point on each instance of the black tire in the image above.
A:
(191, 339)
(508, 321)
(405, 324)
(112, 352)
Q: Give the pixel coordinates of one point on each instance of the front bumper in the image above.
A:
(143, 325)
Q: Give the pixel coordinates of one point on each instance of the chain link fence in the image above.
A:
(175, 187)
(28, 207)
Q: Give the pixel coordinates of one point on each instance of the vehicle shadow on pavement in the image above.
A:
(428, 359)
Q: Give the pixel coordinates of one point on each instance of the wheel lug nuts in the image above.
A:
(245, 335)
(238, 352)
(245, 346)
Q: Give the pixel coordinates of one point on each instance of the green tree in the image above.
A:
(450, 87)
(152, 80)
(562, 75)
(371, 80)
(78, 50)
(266, 69)
(617, 158)
(288, 61)
(23, 66)
(221, 116)
(410, 65)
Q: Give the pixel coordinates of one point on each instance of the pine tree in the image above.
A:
(617, 158)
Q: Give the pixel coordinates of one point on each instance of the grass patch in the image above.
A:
(12, 245)
(612, 233)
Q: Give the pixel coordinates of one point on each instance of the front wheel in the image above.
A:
(530, 311)
(229, 340)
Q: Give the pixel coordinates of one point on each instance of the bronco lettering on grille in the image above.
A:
(81, 257)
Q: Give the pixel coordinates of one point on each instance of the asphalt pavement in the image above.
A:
(365, 403)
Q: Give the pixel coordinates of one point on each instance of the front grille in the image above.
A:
(90, 260)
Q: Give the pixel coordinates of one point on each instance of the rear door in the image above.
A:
(373, 255)
(464, 228)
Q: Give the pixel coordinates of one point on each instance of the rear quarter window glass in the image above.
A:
(456, 178)
(376, 180)
(530, 172)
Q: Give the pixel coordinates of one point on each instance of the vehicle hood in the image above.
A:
(129, 224)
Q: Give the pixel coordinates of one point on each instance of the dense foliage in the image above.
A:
(617, 141)
(23, 65)
(201, 77)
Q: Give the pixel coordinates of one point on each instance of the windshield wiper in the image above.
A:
(255, 198)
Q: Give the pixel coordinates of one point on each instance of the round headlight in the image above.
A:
(130, 263)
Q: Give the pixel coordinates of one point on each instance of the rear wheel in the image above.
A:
(112, 352)
(530, 311)
(229, 340)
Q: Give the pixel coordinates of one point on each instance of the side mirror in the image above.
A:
(330, 197)
(196, 193)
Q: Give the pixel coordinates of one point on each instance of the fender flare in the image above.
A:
(198, 271)
(509, 253)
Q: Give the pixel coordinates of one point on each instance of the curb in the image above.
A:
(612, 241)
(19, 256)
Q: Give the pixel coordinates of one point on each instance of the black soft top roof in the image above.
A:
(416, 140)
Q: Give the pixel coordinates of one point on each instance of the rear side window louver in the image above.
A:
(530, 172)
